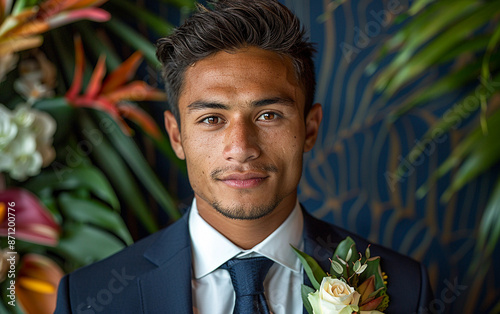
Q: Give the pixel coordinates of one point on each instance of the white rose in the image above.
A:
(333, 297)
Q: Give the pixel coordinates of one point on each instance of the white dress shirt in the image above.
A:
(213, 292)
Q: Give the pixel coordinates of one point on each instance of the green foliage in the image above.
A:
(466, 35)
(304, 292)
(98, 169)
(311, 267)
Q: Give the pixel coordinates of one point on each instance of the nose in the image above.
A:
(241, 142)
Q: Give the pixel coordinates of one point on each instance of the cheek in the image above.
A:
(200, 157)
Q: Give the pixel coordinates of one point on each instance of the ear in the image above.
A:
(313, 120)
(174, 134)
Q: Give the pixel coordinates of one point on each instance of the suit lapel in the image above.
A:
(320, 242)
(168, 286)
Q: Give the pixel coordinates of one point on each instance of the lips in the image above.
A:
(245, 180)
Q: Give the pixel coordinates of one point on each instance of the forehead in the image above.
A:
(241, 76)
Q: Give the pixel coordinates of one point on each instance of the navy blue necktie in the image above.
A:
(247, 276)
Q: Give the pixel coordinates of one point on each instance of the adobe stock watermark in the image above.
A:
(378, 20)
(97, 303)
(448, 295)
(453, 116)
(324, 250)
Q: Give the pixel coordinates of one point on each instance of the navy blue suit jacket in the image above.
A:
(154, 274)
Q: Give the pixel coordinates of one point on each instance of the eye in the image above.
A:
(268, 116)
(212, 120)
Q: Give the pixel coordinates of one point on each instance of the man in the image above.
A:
(240, 83)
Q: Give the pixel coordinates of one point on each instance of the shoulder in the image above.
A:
(121, 271)
(329, 236)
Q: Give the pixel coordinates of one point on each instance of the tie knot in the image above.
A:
(248, 274)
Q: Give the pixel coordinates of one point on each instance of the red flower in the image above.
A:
(110, 95)
(29, 219)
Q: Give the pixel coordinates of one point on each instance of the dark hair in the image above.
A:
(231, 25)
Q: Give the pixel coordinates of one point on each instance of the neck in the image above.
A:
(247, 233)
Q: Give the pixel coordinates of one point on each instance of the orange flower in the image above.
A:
(37, 282)
(22, 30)
(111, 94)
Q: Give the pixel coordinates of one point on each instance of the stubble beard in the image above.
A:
(251, 212)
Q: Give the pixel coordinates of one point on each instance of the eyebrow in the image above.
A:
(200, 105)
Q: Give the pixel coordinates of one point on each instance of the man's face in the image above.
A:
(243, 132)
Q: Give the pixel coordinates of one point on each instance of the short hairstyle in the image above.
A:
(231, 25)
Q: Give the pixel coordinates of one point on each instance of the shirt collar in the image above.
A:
(211, 249)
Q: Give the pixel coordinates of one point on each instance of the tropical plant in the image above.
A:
(71, 139)
(462, 37)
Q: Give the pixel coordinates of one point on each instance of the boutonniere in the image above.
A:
(354, 284)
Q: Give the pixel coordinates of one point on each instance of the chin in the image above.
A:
(245, 211)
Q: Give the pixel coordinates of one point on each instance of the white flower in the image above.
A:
(8, 128)
(24, 116)
(25, 152)
(24, 144)
(26, 166)
(334, 297)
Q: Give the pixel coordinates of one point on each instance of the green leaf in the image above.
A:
(304, 291)
(449, 83)
(20, 5)
(451, 118)
(342, 251)
(373, 268)
(357, 266)
(418, 31)
(431, 52)
(189, 4)
(63, 40)
(134, 39)
(62, 112)
(61, 177)
(489, 228)
(418, 6)
(96, 213)
(108, 159)
(367, 252)
(85, 244)
(337, 268)
(312, 268)
(159, 25)
(136, 161)
(486, 154)
(470, 143)
(98, 47)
